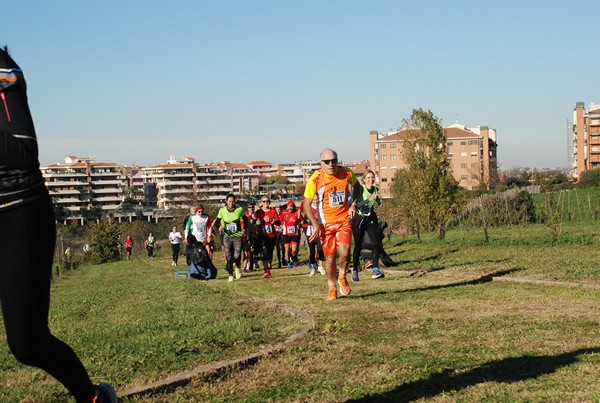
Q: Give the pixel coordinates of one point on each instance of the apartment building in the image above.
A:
(83, 183)
(183, 182)
(586, 138)
(471, 151)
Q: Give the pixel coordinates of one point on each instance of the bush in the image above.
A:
(510, 207)
(589, 179)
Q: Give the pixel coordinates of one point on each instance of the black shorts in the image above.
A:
(268, 244)
(291, 239)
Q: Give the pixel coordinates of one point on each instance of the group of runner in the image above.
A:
(336, 207)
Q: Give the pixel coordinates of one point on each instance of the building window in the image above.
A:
(473, 153)
(473, 176)
(384, 157)
(463, 143)
(463, 154)
(393, 157)
(473, 142)
(384, 179)
(393, 145)
(474, 165)
(450, 155)
(463, 177)
(450, 144)
(382, 146)
(463, 166)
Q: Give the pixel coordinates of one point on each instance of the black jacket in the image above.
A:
(19, 165)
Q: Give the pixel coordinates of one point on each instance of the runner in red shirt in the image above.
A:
(266, 220)
(291, 233)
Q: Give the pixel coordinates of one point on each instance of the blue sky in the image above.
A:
(137, 81)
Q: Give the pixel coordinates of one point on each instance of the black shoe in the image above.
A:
(105, 393)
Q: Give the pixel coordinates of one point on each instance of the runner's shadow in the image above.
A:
(480, 280)
(508, 370)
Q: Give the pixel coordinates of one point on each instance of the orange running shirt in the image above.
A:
(333, 191)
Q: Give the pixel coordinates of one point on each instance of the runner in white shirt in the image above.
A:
(175, 238)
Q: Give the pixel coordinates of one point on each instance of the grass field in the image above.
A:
(435, 329)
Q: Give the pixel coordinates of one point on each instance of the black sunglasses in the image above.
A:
(331, 161)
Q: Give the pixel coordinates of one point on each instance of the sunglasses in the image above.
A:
(331, 161)
(265, 201)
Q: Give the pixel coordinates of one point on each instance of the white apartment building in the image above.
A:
(84, 183)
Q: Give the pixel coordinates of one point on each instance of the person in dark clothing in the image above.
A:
(27, 225)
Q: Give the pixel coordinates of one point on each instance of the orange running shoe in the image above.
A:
(332, 294)
(344, 286)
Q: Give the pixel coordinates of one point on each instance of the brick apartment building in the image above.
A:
(471, 151)
(586, 138)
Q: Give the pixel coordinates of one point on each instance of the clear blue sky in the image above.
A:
(137, 81)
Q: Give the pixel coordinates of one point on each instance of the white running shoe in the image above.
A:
(312, 272)
(238, 273)
(322, 270)
(230, 279)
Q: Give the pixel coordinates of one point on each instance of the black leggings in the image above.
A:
(175, 251)
(27, 236)
(370, 225)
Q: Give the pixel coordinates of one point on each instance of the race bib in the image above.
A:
(268, 229)
(231, 227)
(291, 230)
(336, 199)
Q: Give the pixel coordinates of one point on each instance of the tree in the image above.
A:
(425, 191)
(105, 241)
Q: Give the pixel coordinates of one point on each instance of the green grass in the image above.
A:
(430, 331)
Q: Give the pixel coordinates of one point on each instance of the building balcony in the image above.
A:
(64, 193)
(175, 183)
(107, 182)
(176, 191)
(107, 173)
(66, 183)
(50, 174)
(103, 199)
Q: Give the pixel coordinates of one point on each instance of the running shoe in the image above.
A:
(295, 263)
(344, 286)
(267, 274)
(230, 279)
(312, 272)
(377, 273)
(355, 278)
(322, 270)
(105, 393)
(289, 266)
(332, 294)
(310, 266)
(238, 273)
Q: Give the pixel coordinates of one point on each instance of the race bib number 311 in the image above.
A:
(336, 199)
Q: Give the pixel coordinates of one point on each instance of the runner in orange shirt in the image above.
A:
(333, 185)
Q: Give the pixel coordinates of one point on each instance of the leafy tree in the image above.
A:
(426, 193)
(105, 240)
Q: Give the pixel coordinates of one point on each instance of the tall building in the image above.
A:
(471, 151)
(586, 138)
